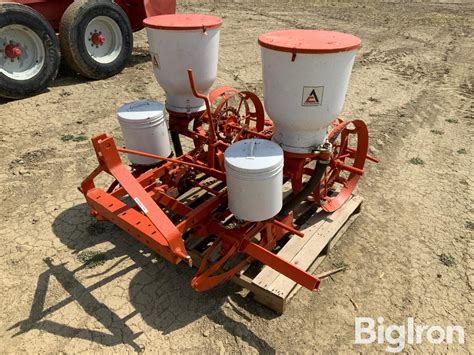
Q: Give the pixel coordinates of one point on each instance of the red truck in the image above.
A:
(94, 37)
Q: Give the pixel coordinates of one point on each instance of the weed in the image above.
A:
(65, 93)
(80, 138)
(91, 258)
(447, 260)
(416, 161)
(373, 99)
(470, 225)
(340, 263)
(73, 138)
(451, 120)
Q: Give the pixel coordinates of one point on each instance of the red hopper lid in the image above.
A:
(182, 22)
(309, 41)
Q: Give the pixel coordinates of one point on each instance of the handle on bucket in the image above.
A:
(252, 146)
(139, 104)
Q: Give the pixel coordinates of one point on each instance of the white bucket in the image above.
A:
(180, 42)
(144, 128)
(254, 172)
(305, 77)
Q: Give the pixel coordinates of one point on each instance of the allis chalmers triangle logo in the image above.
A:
(312, 98)
(312, 95)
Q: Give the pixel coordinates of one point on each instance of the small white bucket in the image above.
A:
(144, 128)
(254, 172)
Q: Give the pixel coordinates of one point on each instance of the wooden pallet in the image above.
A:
(321, 230)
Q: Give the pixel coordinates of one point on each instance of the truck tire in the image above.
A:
(96, 38)
(29, 51)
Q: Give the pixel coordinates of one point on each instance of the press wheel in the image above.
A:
(350, 140)
(235, 112)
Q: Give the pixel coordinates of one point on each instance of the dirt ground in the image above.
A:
(408, 255)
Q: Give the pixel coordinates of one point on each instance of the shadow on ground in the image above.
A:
(67, 77)
(159, 292)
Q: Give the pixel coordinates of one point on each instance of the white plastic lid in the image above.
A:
(253, 156)
(140, 111)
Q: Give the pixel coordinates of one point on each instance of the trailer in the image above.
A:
(94, 37)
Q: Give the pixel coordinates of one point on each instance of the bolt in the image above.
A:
(95, 30)
(96, 46)
(100, 32)
(91, 33)
(89, 39)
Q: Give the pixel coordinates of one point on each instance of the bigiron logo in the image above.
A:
(397, 336)
(312, 96)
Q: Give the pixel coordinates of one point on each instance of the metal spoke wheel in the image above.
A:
(236, 113)
(29, 51)
(350, 142)
(96, 38)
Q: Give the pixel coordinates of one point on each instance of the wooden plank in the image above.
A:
(259, 292)
(337, 224)
(246, 282)
(344, 228)
(331, 245)
(316, 244)
(196, 193)
(271, 300)
(267, 276)
(292, 247)
(277, 302)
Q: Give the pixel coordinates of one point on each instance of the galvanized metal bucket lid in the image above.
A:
(254, 156)
(141, 112)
